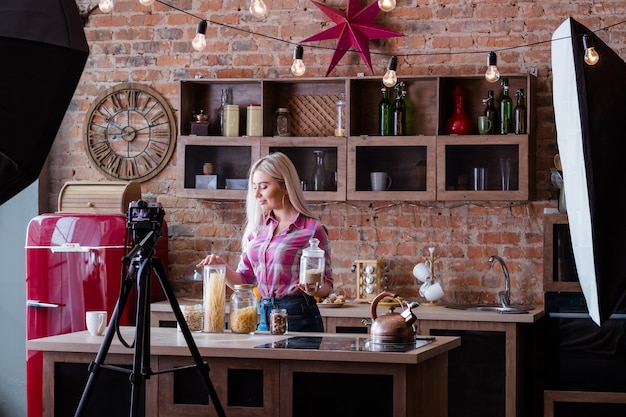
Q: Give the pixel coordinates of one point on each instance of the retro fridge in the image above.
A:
(73, 265)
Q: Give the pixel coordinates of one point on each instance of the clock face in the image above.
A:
(130, 132)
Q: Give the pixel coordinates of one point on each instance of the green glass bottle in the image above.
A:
(399, 111)
(384, 114)
(490, 110)
(506, 109)
(520, 113)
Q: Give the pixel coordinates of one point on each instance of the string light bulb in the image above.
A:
(199, 42)
(591, 55)
(105, 6)
(146, 2)
(492, 75)
(386, 5)
(390, 78)
(258, 9)
(298, 68)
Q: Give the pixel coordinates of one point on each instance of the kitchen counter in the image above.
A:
(277, 381)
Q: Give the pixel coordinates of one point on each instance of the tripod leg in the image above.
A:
(201, 365)
(94, 367)
(141, 362)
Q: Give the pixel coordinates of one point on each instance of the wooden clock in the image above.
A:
(130, 132)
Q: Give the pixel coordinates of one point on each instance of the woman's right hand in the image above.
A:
(210, 260)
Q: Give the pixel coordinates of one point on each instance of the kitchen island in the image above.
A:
(255, 375)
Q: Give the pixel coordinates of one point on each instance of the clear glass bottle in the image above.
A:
(490, 109)
(243, 309)
(278, 321)
(385, 114)
(340, 129)
(282, 122)
(312, 265)
(319, 177)
(226, 98)
(520, 113)
(399, 111)
(506, 109)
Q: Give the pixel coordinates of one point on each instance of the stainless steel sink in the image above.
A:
(494, 308)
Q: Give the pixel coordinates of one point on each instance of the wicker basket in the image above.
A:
(312, 116)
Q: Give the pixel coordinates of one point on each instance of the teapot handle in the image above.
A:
(377, 299)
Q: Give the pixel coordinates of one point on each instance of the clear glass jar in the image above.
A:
(282, 122)
(214, 296)
(243, 309)
(278, 321)
(312, 265)
(340, 128)
(194, 316)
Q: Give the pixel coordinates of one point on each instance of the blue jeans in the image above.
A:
(303, 315)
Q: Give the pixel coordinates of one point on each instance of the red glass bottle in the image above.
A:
(459, 123)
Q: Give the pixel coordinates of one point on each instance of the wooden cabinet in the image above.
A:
(425, 164)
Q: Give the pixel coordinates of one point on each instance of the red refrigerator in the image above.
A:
(73, 265)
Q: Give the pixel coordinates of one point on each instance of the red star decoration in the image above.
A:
(353, 27)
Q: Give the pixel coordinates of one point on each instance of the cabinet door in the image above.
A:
(503, 158)
(302, 152)
(230, 159)
(408, 161)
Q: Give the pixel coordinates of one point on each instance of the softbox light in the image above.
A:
(590, 113)
(44, 50)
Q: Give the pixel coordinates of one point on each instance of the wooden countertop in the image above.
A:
(170, 342)
(423, 312)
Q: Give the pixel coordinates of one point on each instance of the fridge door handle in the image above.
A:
(39, 304)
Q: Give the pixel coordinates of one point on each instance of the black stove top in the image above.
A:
(344, 344)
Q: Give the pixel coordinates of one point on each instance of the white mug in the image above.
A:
(422, 272)
(96, 322)
(380, 181)
(431, 290)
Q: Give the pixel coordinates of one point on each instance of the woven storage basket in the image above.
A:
(312, 115)
(98, 197)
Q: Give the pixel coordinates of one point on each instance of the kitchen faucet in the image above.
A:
(504, 296)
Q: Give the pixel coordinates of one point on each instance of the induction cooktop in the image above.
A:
(344, 344)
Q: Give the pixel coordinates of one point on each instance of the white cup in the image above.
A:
(422, 272)
(380, 181)
(96, 322)
(431, 291)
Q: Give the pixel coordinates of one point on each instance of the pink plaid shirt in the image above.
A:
(273, 262)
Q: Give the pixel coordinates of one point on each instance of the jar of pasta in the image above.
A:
(243, 309)
(214, 295)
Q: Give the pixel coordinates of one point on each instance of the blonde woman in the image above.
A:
(279, 226)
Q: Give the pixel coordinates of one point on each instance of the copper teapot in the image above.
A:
(393, 327)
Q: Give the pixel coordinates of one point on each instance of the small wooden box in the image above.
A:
(371, 278)
(98, 197)
(200, 128)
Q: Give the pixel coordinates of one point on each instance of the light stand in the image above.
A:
(140, 262)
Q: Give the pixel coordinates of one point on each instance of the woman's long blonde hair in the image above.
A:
(278, 166)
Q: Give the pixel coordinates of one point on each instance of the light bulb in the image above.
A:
(199, 42)
(492, 75)
(105, 6)
(591, 55)
(390, 78)
(386, 5)
(146, 2)
(258, 8)
(298, 68)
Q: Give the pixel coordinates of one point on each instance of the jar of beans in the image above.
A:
(278, 321)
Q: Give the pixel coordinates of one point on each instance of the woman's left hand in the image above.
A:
(318, 291)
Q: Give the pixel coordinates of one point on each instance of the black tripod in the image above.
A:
(141, 262)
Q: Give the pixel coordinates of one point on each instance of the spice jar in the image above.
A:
(312, 265)
(243, 309)
(214, 296)
(278, 321)
(282, 122)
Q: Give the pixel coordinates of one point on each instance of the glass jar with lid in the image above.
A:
(312, 264)
(282, 122)
(243, 309)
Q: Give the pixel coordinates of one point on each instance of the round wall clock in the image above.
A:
(130, 132)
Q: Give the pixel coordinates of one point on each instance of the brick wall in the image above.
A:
(152, 45)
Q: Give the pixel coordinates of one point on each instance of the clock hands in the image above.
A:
(125, 132)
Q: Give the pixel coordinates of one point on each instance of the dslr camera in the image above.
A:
(142, 218)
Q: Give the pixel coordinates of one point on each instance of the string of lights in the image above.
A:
(258, 9)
